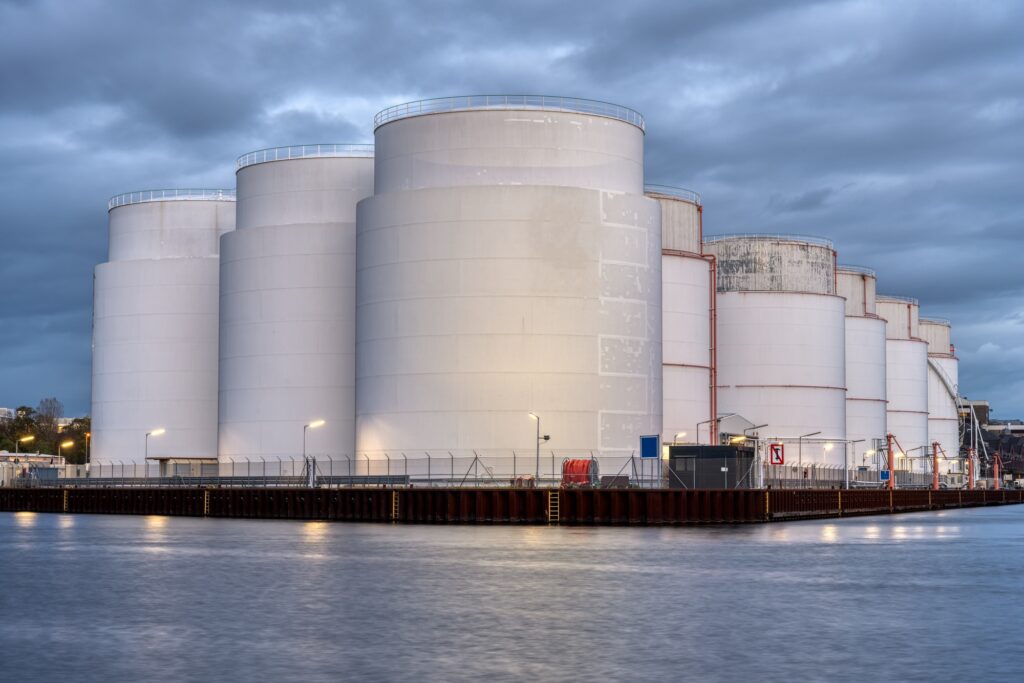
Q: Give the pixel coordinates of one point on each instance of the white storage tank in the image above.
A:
(906, 380)
(155, 327)
(686, 300)
(943, 381)
(287, 354)
(508, 263)
(781, 341)
(865, 363)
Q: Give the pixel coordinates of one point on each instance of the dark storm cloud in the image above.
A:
(893, 129)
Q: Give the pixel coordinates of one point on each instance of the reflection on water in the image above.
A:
(141, 598)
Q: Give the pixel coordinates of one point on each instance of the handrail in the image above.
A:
(470, 102)
(806, 239)
(934, 321)
(856, 269)
(141, 196)
(262, 156)
(892, 297)
(676, 192)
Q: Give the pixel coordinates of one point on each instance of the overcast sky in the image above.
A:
(893, 128)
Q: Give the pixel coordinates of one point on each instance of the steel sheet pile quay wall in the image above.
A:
(155, 325)
(943, 387)
(508, 263)
(499, 506)
(287, 352)
(865, 362)
(781, 340)
(685, 310)
(906, 379)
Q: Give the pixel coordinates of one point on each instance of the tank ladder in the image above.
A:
(394, 506)
(553, 504)
(206, 502)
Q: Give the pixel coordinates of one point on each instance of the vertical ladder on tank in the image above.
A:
(394, 506)
(553, 501)
(206, 502)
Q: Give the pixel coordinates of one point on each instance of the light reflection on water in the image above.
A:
(142, 598)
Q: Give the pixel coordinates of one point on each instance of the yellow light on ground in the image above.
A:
(316, 423)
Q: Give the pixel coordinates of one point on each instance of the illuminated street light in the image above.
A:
(66, 444)
(312, 425)
(24, 439)
(156, 432)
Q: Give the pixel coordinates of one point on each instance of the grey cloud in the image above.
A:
(892, 128)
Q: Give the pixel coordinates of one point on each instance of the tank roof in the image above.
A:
(441, 105)
(862, 270)
(801, 239)
(890, 297)
(141, 196)
(263, 156)
(674, 192)
(935, 321)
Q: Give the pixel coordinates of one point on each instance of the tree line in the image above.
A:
(33, 430)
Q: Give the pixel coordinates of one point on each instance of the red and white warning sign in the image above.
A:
(776, 454)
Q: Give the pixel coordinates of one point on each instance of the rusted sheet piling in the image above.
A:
(499, 505)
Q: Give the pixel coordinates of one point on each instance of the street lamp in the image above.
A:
(88, 435)
(312, 425)
(66, 444)
(675, 439)
(540, 438)
(800, 454)
(715, 420)
(24, 439)
(156, 432)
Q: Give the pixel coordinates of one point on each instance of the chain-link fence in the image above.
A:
(469, 469)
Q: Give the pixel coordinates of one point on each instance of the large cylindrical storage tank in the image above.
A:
(781, 341)
(685, 314)
(943, 387)
(906, 380)
(155, 327)
(865, 363)
(287, 354)
(509, 264)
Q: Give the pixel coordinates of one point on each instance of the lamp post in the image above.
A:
(800, 454)
(305, 428)
(715, 420)
(540, 438)
(61, 446)
(156, 432)
(24, 439)
(88, 436)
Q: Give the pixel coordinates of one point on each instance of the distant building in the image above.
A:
(981, 409)
(7, 413)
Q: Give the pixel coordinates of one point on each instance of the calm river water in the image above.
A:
(924, 597)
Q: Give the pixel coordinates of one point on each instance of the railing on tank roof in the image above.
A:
(863, 270)
(935, 321)
(141, 196)
(807, 239)
(892, 297)
(676, 192)
(262, 156)
(549, 102)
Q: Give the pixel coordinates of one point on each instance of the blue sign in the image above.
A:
(884, 475)
(649, 447)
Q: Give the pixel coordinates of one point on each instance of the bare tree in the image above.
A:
(49, 410)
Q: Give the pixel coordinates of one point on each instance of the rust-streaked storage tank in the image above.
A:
(865, 363)
(287, 340)
(508, 263)
(906, 379)
(685, 314)
(781, 340)
(155, 326)
(943, 381)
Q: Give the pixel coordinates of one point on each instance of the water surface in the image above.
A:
(924, 597)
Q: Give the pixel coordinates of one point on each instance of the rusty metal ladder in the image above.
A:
(394, 506)
(554, 515)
